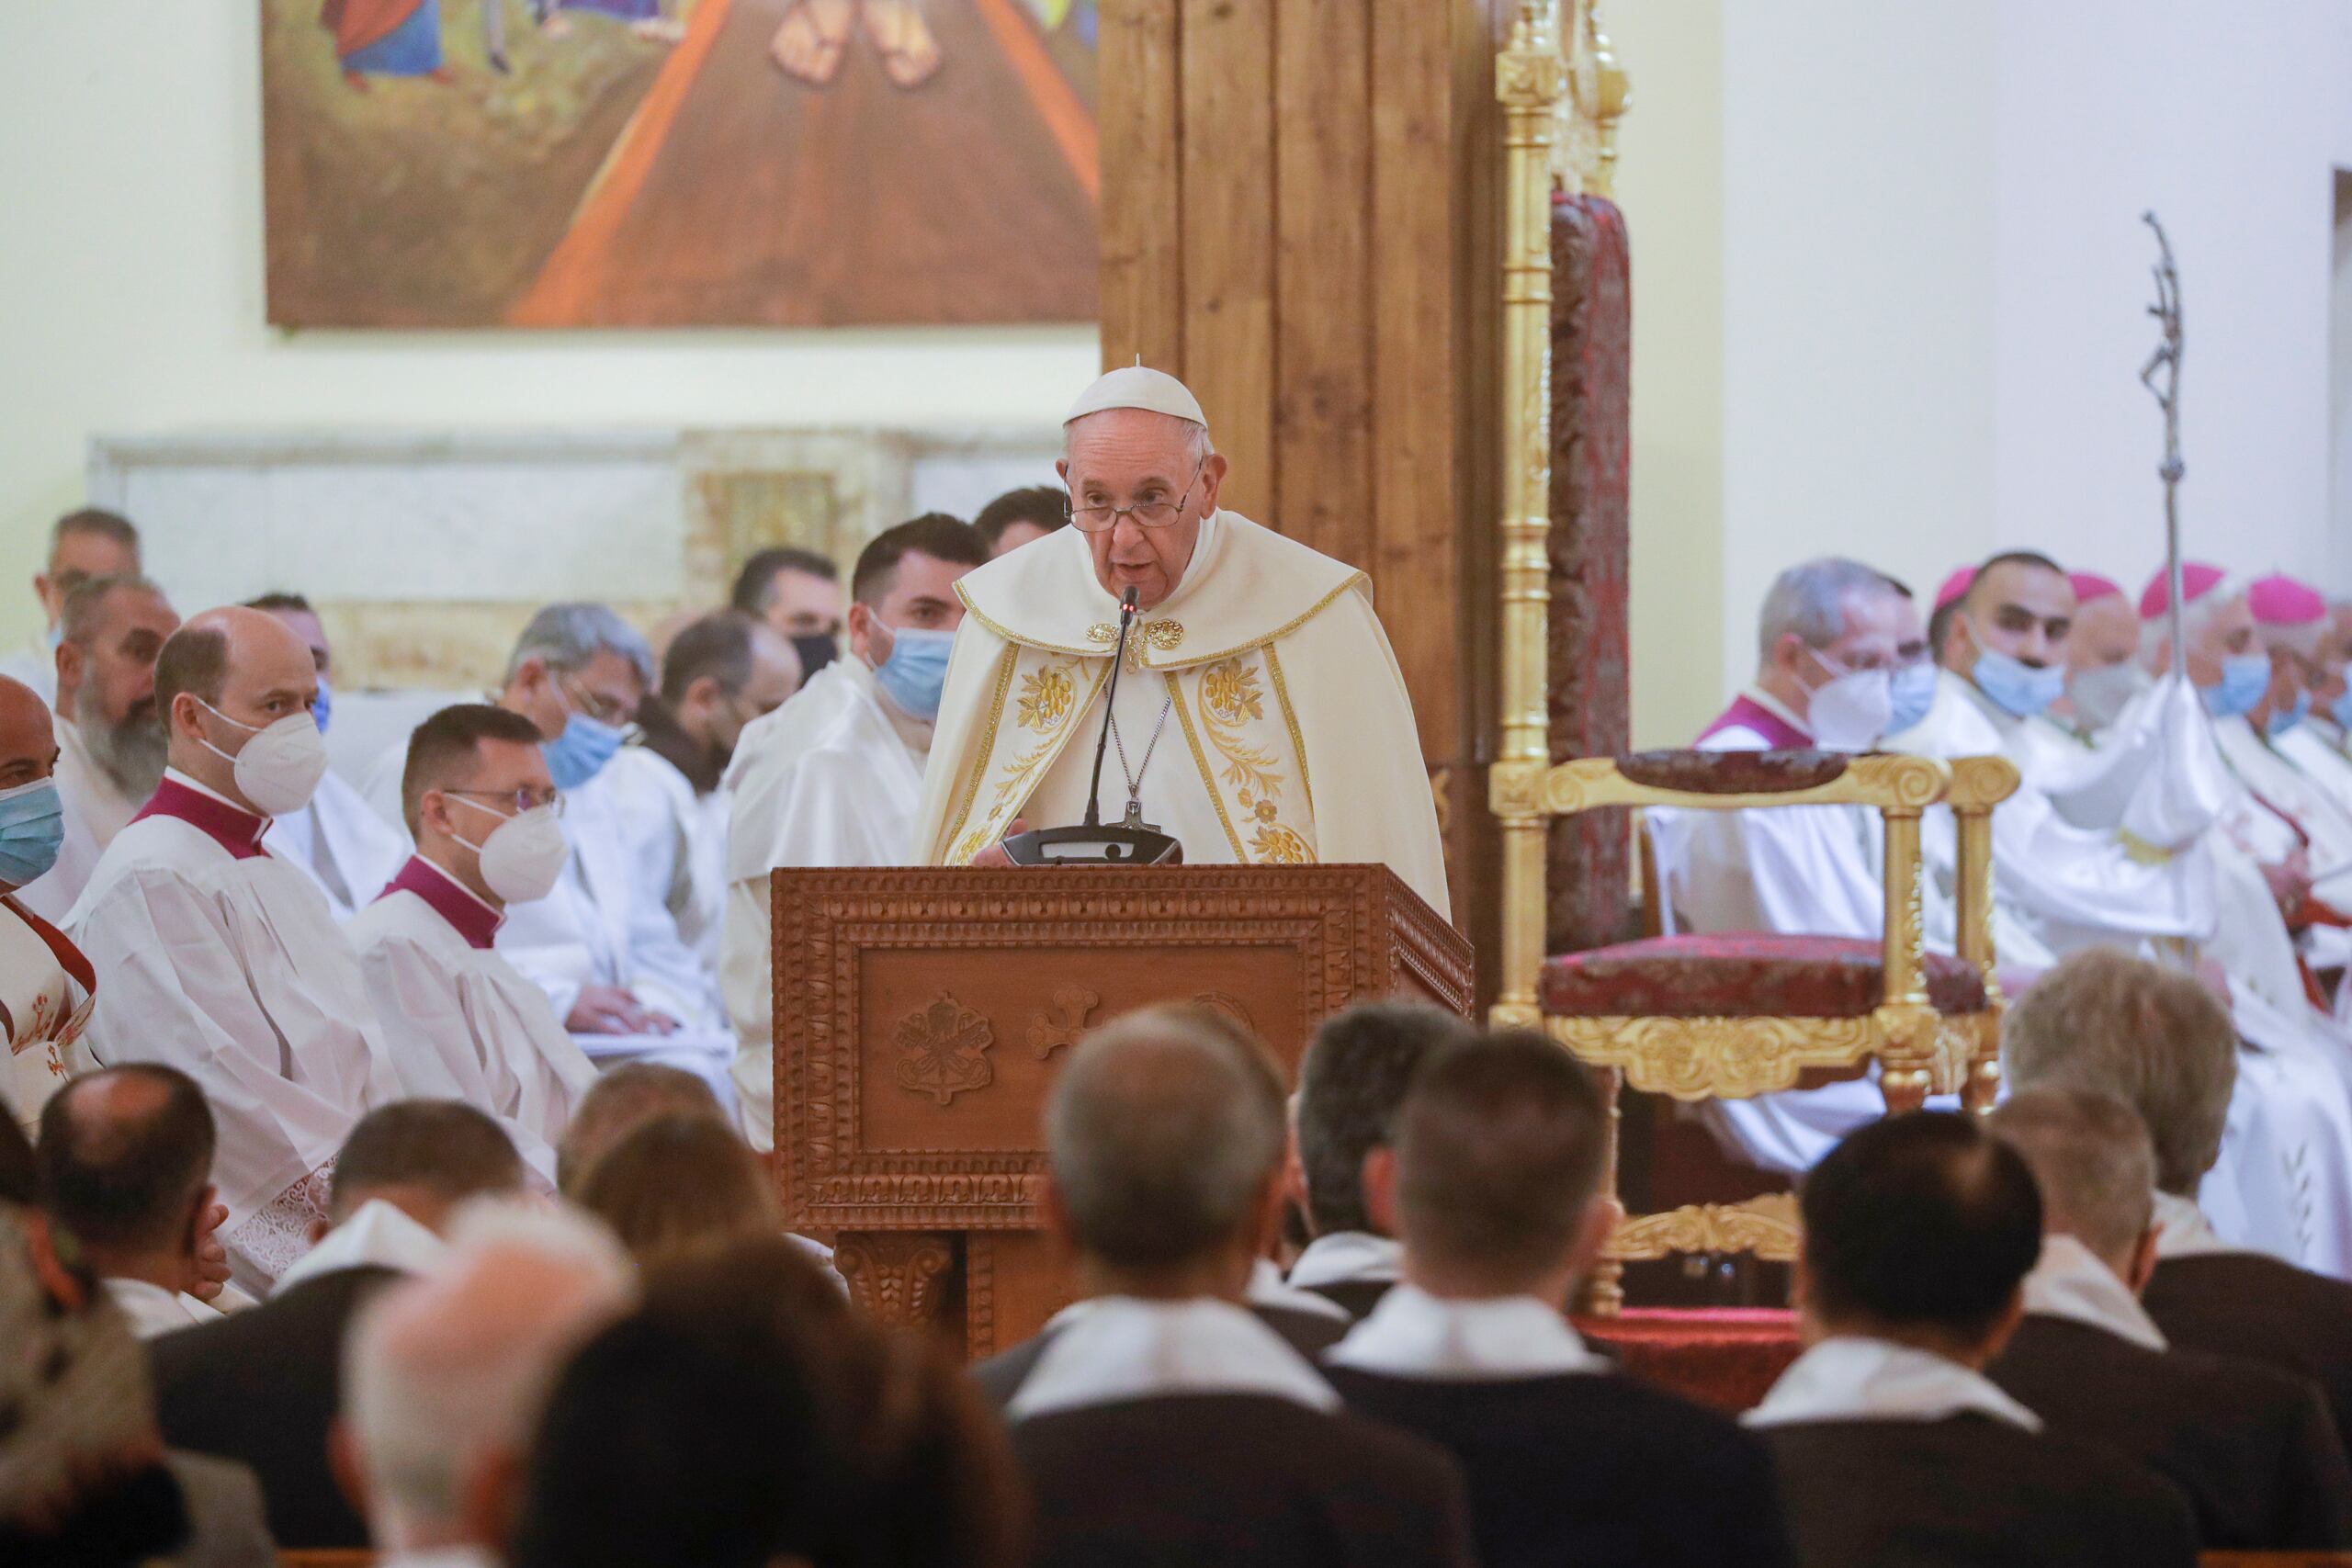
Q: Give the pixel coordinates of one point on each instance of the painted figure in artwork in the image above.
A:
(385, 38)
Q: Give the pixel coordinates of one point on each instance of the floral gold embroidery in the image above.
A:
(1164, 635)
(1279, 845)
(1231, 697)
(1046, 697)
(1230, 690)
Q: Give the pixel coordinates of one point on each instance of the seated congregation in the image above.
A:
(388, 1160)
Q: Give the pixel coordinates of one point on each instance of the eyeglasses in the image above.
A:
(1147, 514)
(604, 710)
(522, 799)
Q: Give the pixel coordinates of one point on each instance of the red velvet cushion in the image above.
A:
(1742, 975)
(1725, 1357)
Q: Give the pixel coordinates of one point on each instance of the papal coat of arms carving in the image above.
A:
(942, 1050)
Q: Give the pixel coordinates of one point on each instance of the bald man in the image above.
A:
(224, 961)
(46, 984)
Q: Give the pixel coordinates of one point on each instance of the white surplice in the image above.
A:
(345, 846)
(1113, 1349)
(1846, 1378)
(1412, 1333)
(830, 778)
(2068, 1280)
(154, 1311)
(600, 927)
(1348, 1258)
(229, 967)
(461, 1022)
(379, 1233)
(2285, 788)
(678, 840)
(96, 810)
(46, 988)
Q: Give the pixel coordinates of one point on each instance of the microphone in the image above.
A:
(1118, 658)
(1091, 843)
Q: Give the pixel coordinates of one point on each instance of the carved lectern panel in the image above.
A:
(921, 1014)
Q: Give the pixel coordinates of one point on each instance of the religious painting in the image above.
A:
(451, 163)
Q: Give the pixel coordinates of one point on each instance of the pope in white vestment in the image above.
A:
(834, 777)
(223, 961)
(1262, 719)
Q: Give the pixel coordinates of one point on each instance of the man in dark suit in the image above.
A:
(2163, 1045)
(261, 1386)
(1892, 1446)
(1492, 1184)
(1350, 1085)
(1162, 1423)
(2253, 1446)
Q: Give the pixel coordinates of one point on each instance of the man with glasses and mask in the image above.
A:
(833, 777)
(485, 817)
(602, 947)
(220, 959)
(110, 739)
(1266, 722)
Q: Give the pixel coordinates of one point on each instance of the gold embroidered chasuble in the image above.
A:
(1287, 736)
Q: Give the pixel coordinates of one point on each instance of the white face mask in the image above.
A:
(1849, 711)
(524, 854)
(280, 767)
(2100, 696)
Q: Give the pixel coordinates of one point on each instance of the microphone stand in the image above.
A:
(1091, 843)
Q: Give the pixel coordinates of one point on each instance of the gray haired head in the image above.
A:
(1810, 599)
(1163, 1133)
(565, 637)
(2092, 1157)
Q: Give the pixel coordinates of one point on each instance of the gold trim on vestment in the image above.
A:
(971, 790)
(1009, 634)
(1201, 761)
(1290, 717)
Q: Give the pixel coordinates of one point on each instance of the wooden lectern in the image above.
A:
(919, 1013)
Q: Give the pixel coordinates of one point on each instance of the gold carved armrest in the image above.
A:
(1883, 782)
(1765, 1227)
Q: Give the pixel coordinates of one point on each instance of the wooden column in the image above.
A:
(1299, 220)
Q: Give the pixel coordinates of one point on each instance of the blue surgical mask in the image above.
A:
(1915, 694)
(2244, 677)
(2342, 708)
(915, 674)
(322, 706)
(2281, 723)
(56, 638)
(580, 753)
(2015, 687)
(33, 827)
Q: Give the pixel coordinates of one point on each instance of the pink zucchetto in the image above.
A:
(1955, 585)
(2090, 585)
(2282, 601)
(2197, 579)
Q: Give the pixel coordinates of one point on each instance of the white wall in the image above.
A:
(2229, 123)
(131, 269)
(1934, 277)
(1858, 339)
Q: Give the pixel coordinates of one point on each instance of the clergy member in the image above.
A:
(834, 776)
(799, 592)
(2103, 671)
(1268, 723)
(90, 543)
(2319, 745)
(1019, 517)
(2291, 626)
(110, 739)
(220, 959)
(349, 850)
(46, 986)
(604, 948)
(720, 675)
(1836, 641)
(483, 813)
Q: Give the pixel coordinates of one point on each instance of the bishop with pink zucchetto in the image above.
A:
(1262, 718)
